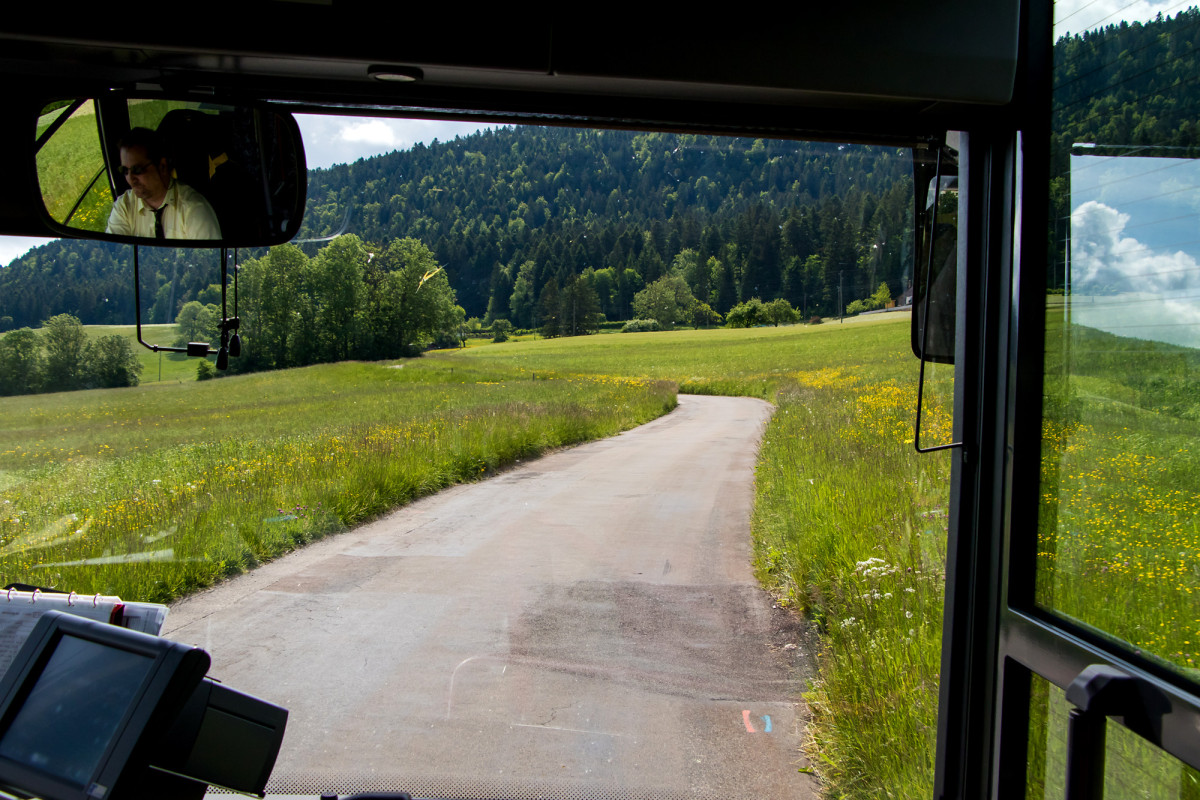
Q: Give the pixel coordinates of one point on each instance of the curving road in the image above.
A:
(584, 625)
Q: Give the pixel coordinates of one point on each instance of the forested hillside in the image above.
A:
(1124, 85)
(542, 204)
(1121, 84)
(509, 211)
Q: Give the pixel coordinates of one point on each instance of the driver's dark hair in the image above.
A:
(146, 139)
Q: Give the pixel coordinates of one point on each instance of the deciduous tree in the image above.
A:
(21, 363)
(66, 346)
(668, 300)
(113, 362)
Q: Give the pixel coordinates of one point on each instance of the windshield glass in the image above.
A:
(643, 402)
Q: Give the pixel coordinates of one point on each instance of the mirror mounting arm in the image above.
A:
(195, 349)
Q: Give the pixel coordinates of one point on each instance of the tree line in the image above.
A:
(61, 357)
(352, 300)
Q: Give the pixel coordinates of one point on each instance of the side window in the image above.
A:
(71, 170)
(1117, 562)
(1118, 538)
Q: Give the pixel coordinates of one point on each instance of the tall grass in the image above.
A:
(67, 164)
(850, 525)
(1120, 518)
(156, 491)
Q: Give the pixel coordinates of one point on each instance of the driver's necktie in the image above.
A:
(159, 233)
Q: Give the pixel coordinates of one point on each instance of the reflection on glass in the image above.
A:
(171, 170)
(71, 170)
(1132, 766)
(1118, 534)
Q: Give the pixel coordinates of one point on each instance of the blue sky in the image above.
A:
(342, 140)
(1135, 247)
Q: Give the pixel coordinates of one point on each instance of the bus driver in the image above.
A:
(157, 206)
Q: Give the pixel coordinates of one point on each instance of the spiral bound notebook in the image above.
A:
(19, 612)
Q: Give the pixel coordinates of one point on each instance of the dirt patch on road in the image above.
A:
(709, 642)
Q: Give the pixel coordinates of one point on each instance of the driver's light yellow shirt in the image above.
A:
(188, 215)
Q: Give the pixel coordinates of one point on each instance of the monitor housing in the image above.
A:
(84, 705)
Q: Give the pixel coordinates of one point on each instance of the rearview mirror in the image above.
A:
(935, 262)
(171, 172)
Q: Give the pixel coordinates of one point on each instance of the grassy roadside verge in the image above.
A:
(154, 492)
(850, 525)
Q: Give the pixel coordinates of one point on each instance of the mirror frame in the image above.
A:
(274, 142)
(934, 275)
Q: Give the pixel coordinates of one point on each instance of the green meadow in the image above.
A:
(154, 491)
(1119, 530)
(160, 366)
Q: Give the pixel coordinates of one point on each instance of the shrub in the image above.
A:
(641, 326)
(778, 312)
(445, 339)
(880, 299)
(500, 330)
(745, 315)
(205, 370)
(815, 320)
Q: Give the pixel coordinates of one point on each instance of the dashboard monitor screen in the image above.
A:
(84, 704)
(75, 709)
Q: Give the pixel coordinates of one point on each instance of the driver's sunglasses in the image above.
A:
(137, 170)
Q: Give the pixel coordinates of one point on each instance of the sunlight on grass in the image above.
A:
(156, 491)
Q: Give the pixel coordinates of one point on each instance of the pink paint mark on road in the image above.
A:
(746, 719)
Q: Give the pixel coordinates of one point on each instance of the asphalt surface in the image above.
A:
(584, 625)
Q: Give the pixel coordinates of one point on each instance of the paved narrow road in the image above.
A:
(584, 625)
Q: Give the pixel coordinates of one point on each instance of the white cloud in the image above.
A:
(1077, 16)
(14, 246)
(1123, 286)
(1104, 260)
(375, 133)
(344, 140)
